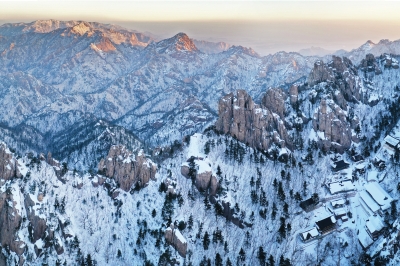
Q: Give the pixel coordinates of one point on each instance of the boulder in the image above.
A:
(126, 168)
(174, 237)
(8, 164)
(205, 181)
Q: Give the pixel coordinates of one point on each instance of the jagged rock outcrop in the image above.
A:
(37, 225)
(53, 162)
(330, 124)
(389, 62)
(341, 76)
(8, 164)
(10, 221)
(204, 178)
(251, 123)
(274, 100)
(176, 239)
(369, 65)
(126, 168)
(293, 94)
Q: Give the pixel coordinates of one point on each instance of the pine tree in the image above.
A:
(190, 222)
(242, 255)
(192, 170)
(89, 260)
(62, 206)
(154, 213)
(226, 248)
(281, 192)
(219, 172)
(282, 228)
(218, 260)
(297, 196)
(286, 208)
(228, 262)
(252, 182)
(207, 203)
(261, 256)
(206, 241)
(56, 203)
(288, 227)
(271, 260)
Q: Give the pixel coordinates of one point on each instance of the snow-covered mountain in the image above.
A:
(315, 51)
(124, 150)
(377, 49)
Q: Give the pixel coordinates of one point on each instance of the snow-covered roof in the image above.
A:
(379, 195)
(390, 150)
(360, 166)
(340, 212)
(364, 238)
(338, 202)
(372, 205)
(180, 236)
(374, 224)
(312, 231)
(392, 141)
(341, 186)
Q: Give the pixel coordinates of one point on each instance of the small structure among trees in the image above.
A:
(339, 165)
(310, 203)
(326, 225)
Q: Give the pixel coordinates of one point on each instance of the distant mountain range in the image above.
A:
(56, 74)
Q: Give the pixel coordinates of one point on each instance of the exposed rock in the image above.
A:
(59, 248)
(332, 128)
(293, 93)
(175, 238)
(274, 100)
(250, 123)
(369, 65)
(54, 163)
(8, 164)
(10, 221)
(389, 61)
(126, 168)
(37, 226)
(342, 76)
(204, 178)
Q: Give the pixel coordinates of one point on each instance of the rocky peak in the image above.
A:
(243, 50)
(251, 123)
(274, 100)
(81, 28)
(333, 131)
(183, 42)
(104, 45)
(8, 164)
(341, 76)
(388, 61)
(211, 47)
(178, 43)
(126, 168)
(369, 64)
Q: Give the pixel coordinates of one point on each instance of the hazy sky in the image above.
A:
(266, 26)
